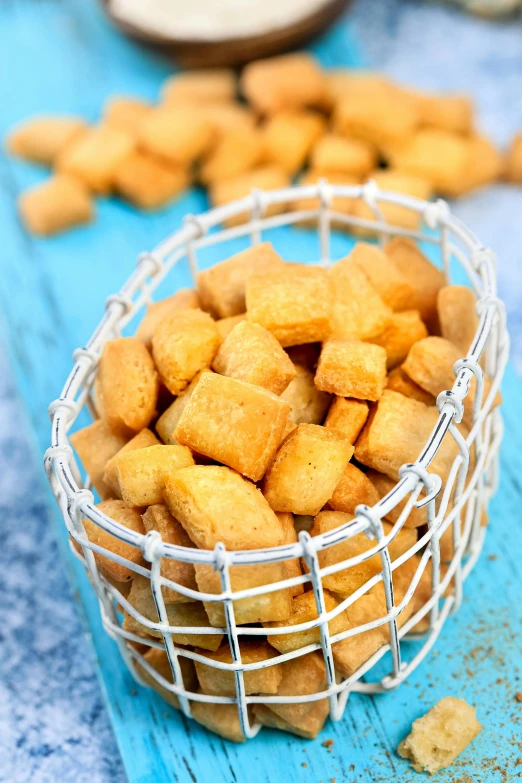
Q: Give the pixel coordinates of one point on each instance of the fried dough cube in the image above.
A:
(222, 719)
(436, 155)
(441, 735)
(128, 385)
(304, 609)
(147, 182)
(184, 615)
(293, 567)
(290, 81)
(140, 441)
(351, 368)
(224, 116)
(225, 325)
(514, 160)
(238, 150)
(457, 310)
(308, 403)
(205, 85)
(178, 134)
(334, 153)
(351, 653)
(380, 117)
(55, 205)
(400, 382)
(358, 312)
(392, 286)
(384, 484)
(452, 113)
(425, 278)
(252, 354)
(96, 445)
(347, 416)
(184, 299)
(352, 82)
(339, 204)
(485, 164)
(141, 472)
(183, 343)
(306, 469)
(128, 517)
(125, 112)
(159, 661)
(222, 287)
(233, 422)
(96, 156)
(219, 682)
(397, 432)
(288, 138)
(293, 304)
(301, 677)
(352, 489)
(398, 181)
(41, 139)
(167, 422)
(403, 331)
(158, 517)
(268, 177)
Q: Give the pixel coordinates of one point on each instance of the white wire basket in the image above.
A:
(461, 498)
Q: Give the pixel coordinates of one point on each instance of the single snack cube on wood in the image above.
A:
(96, 156)
(41, 139)
(351, 368)
(347, 416)
(225, 325)
(140, 441)
(306, 469)
(148, 182)
(127, 385)
(55, 205)
(308, 404)
(293, 304)
(352, 489)
(125, 113)
(237, 151)
(128, 517)
(233, 422)
(384, 484)
(179, 135)
(290, 81)
(403, 331)
(141, 472)
(357, 310)
(252, 354)
(425, 278)
(435, 155)
(96, 445)
(397, 432)
(222, 719)
(183, 343)
(441, 735)
(382, 118)
(220, 682)
(159, 661)
(288, 138)
(400, 382)
(158, 517)
(184, 299)
(304, 610)
(267, 177)
(392, 286)
(206, 85)
(514, 160)
(334, 153)
(457, 310)
(221, 288)
(292, 567)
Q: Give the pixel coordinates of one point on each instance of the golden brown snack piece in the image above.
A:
(233, 422)
(290, 81)
(294, 304)
(266, 177)
(350, 368)
(179, 135)
(159, 661)
(125, 113)
(514, 160)
(485, 164)
(457, 309)
(347, 416)
(225, 116)
(384, 484)
(222, 719)
(127, 385)
(350, 82)
(225, 325)
(308, 403)
(452, 113)
(219, 682)
(147, 182)
(394, 180)
(306, 469)
(158, 517)
(205, 85)
(167, 422)
(140, 441)
(141, 472)
(95, 157)
(441, 735)
(397, 432)
(252, 354)
(425, 278)
(96, 445)
(41, 139)
(389, 282)
(403, 331)
(221, 288)
(358, 312)
(238, 150)
(400, 382)
(128, 517)
(292, 567)
(304, 609)
(379, 116)
(184, 299)
(353, 488)
(288, 138)
(184, 615)
(436, 155)
(183, 343)
(55, 205)
(337, 154)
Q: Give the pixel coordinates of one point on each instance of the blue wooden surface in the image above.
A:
(52, 294)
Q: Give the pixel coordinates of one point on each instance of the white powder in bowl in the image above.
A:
(209, 20)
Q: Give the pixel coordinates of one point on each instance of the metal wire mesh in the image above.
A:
(461, 498)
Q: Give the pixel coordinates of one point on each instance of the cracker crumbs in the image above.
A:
(304, 764)
(328, 744)
(518, 696)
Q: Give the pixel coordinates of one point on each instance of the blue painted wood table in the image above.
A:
(65, 58)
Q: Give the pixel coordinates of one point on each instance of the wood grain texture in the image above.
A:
(52, 294)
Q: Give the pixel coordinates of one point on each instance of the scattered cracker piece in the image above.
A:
(514, 160)
(340, 155)
(128, 517)
(149, 183)
(457, 310)
(304, 610)
(167, 422)
(227, 116)
(452, 113)
(400, 382)
(141, 472)
(352, 489)
(381, 117)
(352, 369)
(184, 299)
(96, 156)
(288, 138)
(140, 441)
(55, 205)
(350, 82)
(357, 310)
(125, 113)
(309, 405)
(96, 445)
(436, 155)
(220, 682)
(441, 735)
(238, 151)
(159, 661)
(291, 81)
(485, 164)
(179, 134)
(206, 85)
(403, 331)
(42, 139)
(269, 177)
(347, 416)
(392, 286)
